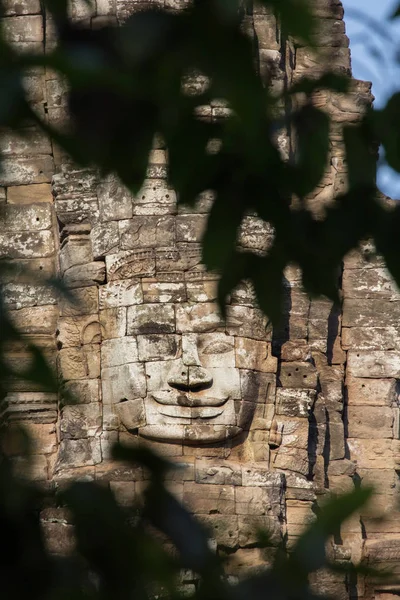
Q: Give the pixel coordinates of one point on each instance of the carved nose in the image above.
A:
(193, 378)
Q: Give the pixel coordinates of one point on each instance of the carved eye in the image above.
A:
(218, 348)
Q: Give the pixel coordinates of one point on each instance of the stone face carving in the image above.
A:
(265, 422)
(178, 372)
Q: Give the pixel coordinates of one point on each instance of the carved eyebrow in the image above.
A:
(218, 348)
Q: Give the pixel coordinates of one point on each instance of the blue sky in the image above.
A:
(375, 47)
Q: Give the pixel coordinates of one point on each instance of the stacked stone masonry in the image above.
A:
(267, 423)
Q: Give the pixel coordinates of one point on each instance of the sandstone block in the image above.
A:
(76, 250)
(190, 228)
(23, 29)
(80, 421)
(86, 275)
(29, 194)
(43, 437)
(373, 364)
(131, 413)
(224, 529)
(369, 283)
(257, 386)
(120, 293)
(248, 322)
(29, 7)
(373, 392)
(76, 331)
(254, 354)
(23, 295)
(292, 459)
(157, 347)
(201, 291)
(209, 499)
(298, 375)
(113, 323)
(125, 382)
(79, 363)
(105, 239)
(151, 318)
(206, 471)
(370, 422)
(124, 492)
(143, 232)
(163, 291)
(24, 244)
(84, 301)
(24, 171)
(78, 453)
(110, 210)
(197, 318)
(85, 392)
(373, 312)
(117, 352)
(250, 525)
(371, 338)
(37, 320)
(371, 453)
(294, 402)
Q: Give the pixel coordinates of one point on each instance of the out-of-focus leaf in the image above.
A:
(309, 551)
(220, 237)
(157, 465)
(396, 13)
(387, 128)
(312, 128)
(189, 537)
(296, 17)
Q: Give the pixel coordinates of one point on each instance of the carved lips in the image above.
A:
(189, 405)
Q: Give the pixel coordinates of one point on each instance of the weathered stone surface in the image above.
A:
(209, 499)
(370, 422)
(374, 364)
(124, 382)
(294, 402)
(29, 194)
(80, 421)
(371, 312)
(78, 453)
(24, 171)
(369, 283)
(151, 318)
(374, 392)
(253, 354)
(24, 244)
(298, 374)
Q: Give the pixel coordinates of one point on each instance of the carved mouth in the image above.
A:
(205, 412)
(189, 400)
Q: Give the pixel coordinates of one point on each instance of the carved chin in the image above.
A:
(197, 434)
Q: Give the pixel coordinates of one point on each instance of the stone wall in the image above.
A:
(267, 423)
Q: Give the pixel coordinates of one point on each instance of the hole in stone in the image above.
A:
(124, 400)
(183, 373)
(363, 385)
(358, 355)
(297, 368)
(40, 172)
(289, 374)
(304, 376)
(148, 376)
(154, 189)
(37, 219)
(41, 268)
(143, 197)
(167, 195)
